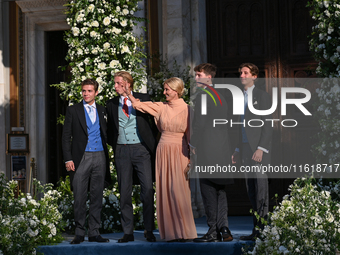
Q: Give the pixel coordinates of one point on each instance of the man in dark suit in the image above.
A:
(211, 145)
(86, 158)
(132, 138)
(254, 146)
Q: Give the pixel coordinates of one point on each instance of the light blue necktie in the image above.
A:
(91, 113)
(245, 101)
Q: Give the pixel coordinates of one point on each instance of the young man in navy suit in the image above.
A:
(254, 146)
(86, 159)
(131, 134)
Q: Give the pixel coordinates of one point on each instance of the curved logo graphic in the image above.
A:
(210, 94)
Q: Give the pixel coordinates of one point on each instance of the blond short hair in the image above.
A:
(176, 84)
(126, 77)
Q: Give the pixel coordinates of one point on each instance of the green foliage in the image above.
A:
(325, 46)
(26, 221)
(101, 42)
(306, 222)
(156, 80)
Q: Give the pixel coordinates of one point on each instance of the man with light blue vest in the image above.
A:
(86, 159)
(131, 134)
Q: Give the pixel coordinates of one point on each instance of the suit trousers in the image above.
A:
(91, 169)
(129, 158)
(257, 187)
(215, 204)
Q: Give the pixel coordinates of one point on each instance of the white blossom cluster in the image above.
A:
(101, 43)
(306, 222)
(326, 47)
(26, 222)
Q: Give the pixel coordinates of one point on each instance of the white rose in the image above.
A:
(114, 63)
(330, 30)
(106, 45)
(116, 30)
(95, 23)
(123, 23)
(125, 12)
(102, 65)
(326, 3)
(94, 51)
(93, 34)
(107, 21)
(91, 7)
(75, 31)
(118, 9)
(100, 80)
(125, 49)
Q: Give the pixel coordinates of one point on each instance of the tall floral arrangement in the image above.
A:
(325, 45)
(101, 42)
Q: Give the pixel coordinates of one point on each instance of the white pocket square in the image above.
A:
(255, 103)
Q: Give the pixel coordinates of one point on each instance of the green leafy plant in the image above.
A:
(156, 79)
(26, 221)
(325, 46)
(101, 42)
(306, 222)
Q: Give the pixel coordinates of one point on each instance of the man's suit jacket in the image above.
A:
(259, 136)
(145, 123)
(212, 143)
(75, 136)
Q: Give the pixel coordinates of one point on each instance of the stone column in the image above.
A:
(183, 32)
(40, 16)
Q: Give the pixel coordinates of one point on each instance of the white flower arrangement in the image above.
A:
(101, 32)
(325, 47)
(305, 222)
(27, 222)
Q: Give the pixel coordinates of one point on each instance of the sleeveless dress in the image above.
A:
(173, 198)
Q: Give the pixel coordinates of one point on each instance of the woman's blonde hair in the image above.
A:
(176, 84)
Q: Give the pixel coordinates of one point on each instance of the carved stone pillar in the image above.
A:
(39, 16)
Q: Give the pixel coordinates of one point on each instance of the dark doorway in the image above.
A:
(272, 34)
(56, 50)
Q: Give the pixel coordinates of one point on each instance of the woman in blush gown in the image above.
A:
(173, 198)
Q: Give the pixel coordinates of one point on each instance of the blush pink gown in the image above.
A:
(173, 197)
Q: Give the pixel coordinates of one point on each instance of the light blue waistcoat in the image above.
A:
(128, 132)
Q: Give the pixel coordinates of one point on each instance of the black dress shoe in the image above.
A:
(226, 234)
(208, 238)
(77, 240)
(251, 237)
(98, 239)
(126, 238)
(150, 237)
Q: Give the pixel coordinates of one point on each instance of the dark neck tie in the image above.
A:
(126, 108)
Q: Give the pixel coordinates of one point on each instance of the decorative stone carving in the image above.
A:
(41, 5)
